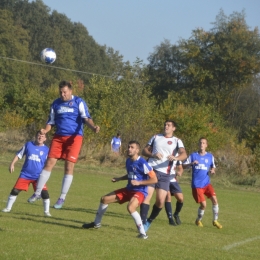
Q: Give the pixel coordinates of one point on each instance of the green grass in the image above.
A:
(26, 234)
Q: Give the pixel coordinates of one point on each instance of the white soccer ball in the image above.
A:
(48, 55)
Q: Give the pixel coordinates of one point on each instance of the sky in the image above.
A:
(136, 27)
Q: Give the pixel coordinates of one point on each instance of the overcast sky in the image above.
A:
(135, 27)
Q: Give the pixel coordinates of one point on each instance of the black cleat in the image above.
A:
(177, 219)
(171, 222)
(91, 225)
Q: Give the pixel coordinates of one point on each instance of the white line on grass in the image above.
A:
(240, 243)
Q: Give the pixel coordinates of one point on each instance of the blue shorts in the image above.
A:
(175, 188)
(163, 181)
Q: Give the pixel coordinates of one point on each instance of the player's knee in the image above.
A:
(14, 192)
(45, 194)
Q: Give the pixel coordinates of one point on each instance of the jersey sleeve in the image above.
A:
(150, 142)
(83, 109)
(21, 152)
(213, 162)
(51, 119)
(180, 143)
(147, 168)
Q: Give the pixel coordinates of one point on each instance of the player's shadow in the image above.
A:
(49, 221)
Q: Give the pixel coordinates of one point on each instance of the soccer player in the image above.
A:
(68, 113)
(35, 157)
(202, 164)
(139, 175)
(163, 150)
(174, 190)
(116, 144)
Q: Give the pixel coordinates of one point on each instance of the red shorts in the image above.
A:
(66, 147)
(198, 193)
(126, 195)
(23, 184)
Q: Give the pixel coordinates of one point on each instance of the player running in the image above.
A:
(202, 164)
(139, 175)
(35, 157)
(68, 113)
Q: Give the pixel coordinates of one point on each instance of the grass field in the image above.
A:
(26, 234)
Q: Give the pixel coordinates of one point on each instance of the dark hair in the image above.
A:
(118, 134)
(134, 142)
(171, 121)
(65, 83)
(203, 138)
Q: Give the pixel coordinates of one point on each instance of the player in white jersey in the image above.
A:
(68, 114)
(139, 175)
(162, 150)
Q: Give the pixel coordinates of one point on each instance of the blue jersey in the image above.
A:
(116, 143)
(68, 116)
(35, 159)
(138, 170)
(200, 171)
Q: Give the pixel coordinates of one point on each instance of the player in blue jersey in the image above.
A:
(139, 175)
(35, 157)
(68, 114)
(202, 164)
(116, 144)
(163, 150)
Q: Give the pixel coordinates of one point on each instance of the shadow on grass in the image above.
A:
(50, 221)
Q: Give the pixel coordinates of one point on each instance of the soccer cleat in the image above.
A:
(59, 203)
(91, 225)
(177, 219)
(143, 236)
(198, 223)
(33, 198)
(172, 222)
(217, 224)
(147, 226)
(6, 210)
(47, 214)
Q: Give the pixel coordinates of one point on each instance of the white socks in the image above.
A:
(215, 210)
(10, 202)
(67, 180)
(100, 212)
(138, 221)
(46, 205)
(200, 214)
(44, 177)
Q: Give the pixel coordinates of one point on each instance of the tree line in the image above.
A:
(209, 83)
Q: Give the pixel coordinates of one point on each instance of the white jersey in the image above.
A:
(165, 146)
(173, 172)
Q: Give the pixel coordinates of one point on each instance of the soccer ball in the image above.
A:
(48, 55)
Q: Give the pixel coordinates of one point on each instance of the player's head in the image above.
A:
(40, 138)
(118, 135)
(133, 149)
(65, 89)
(169, 127)
(203, 143)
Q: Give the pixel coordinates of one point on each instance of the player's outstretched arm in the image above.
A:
(11, 167)
(90, 124)
(125, 177)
